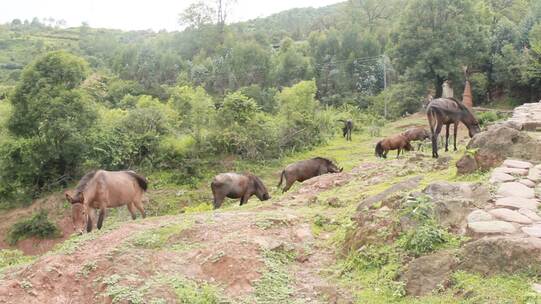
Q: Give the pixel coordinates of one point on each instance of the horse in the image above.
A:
(447, 111)
(417, 134)
(394, 142)
(306, 169)
(106, 189)
(347, 129)
(235, 185)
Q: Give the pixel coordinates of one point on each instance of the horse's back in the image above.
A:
(119, 187)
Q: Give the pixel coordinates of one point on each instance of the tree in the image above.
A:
(51, 117)
(197, 15)
(434, 38)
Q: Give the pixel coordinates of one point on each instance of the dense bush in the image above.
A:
(36, 226)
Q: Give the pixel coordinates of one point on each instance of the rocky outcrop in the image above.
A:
(498, 143)
(427, 273)
(408, 184)
(501, 254)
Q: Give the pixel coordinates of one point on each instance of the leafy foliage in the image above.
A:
(36, 226)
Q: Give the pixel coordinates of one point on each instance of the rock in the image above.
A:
(501, 254)
(466, 165)
(512, 163)
(516, 190)
(527, 182)
(408, 184)
(335, 202)
(535, 175)
(502, 142)
(517, 203)
(513, 124)
(479, 216)
(453, 202)
(510, 216)
(530, 214)
(500, 177)
(492, 227)
(426, 273)
(536, 287)
(514, 171)
(534, 231)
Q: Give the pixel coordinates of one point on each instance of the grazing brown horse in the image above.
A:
(106, 189)
(347, 129)
(394, 142)
(234, 185)
(447, 111)
(417, 134)
(306, 169)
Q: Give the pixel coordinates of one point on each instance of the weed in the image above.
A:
(87, 268)
(157, 238)
(38, 225)
(188, 292)
(274, 286)
(10, 257)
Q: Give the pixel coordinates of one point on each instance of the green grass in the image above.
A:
(189, 292)
(159, 237)
(9, 258)
(274, 285)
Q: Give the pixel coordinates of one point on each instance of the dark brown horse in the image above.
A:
(306, 169)
(347, 129)
(234, 185)
(395, 142)
(105, 189)
(447, 111)
(417, 134)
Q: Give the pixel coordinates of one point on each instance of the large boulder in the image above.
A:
(426, 273)
(453, 202)
(501, 254)
(495, 145)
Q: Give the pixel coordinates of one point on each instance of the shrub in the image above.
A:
(487, 117)
(37, 226)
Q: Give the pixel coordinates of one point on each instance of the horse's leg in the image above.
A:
(139, 206)
(398, 153)
(447, 137)
(101, 216)
(455, 131)
(218, 201)
(385, 153)
(244, 199)
(289, 183)
(89, 220)
(131, 209)
(435, 140)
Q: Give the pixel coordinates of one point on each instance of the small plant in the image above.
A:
(188, 292)
(87, 268)
(423, 239)
(274, 286)
(10, 257)
(38, 225)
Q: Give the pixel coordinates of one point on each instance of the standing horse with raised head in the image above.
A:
(447, 111)
(106, 189)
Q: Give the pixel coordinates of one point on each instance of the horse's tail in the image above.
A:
(142, 181)
(281, 178)
(379, 149)
(432, 119)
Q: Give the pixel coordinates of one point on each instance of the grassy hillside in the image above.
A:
(176, 239)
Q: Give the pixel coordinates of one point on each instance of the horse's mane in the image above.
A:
(459, 104)
(257, 180)
(81, 186)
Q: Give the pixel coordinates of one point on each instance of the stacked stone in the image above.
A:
(515, 208)
(528, 115)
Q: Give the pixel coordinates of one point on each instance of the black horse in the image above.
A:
(447, 111)
(348, 127)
